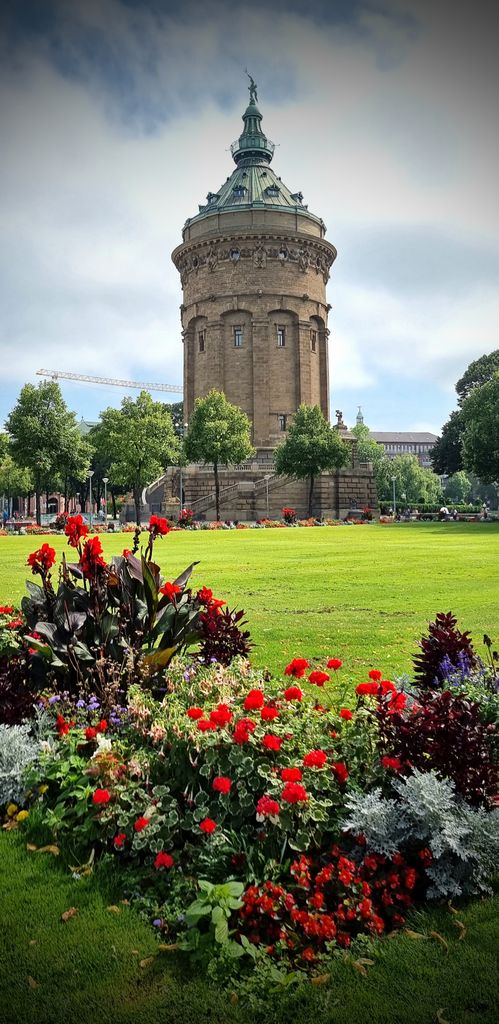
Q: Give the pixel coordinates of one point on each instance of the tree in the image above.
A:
(43, 434)
(478, 373)
(419, 485)
(311, 447)
(458, 487)
(446, 454)
(368, 450)
(219, 433)
(14, 479)
(140, 442)
(481, 431)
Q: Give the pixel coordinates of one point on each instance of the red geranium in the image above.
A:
(90, 733)
(195, 713)
(92, 557)
(375, 674)
(163, 860)
(367, 689)
(346, 714)
(268, 713)
(315, 759)
(208, 826)
(6, 609)
(340, 770)
(242, 730)
(318, 678)
(75, 529)
(42, 560)
(294, 793)
(334, 663)
(204, 725)
(271, 741)
(293, 693)
(296, 668)
(101, 796)
(254, 700)
(291, 775)
(221, 715)
(397, 703)
(267, 808)
(119, 839)
(221, 784)
(158, 526)
(392, 763)
(170, 590)
(140, 824)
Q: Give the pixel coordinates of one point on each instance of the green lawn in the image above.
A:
(363, 594)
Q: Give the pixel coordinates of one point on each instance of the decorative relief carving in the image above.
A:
(307, 257)
(212, 258)
(260, 257)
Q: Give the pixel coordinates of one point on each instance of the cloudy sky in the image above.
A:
(116, 118)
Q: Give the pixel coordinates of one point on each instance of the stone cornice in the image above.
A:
(307, 252)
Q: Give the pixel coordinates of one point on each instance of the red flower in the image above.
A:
(392, 763)
(119, 839)
(291, 775)
(293, 693)
(267, 808)
(334, 663)
(365, 689)
(163, 860)
(208, 826)
(309, 954)
(294, 793)
(140, 824)
(340, 770)
(158, 527)
(102, 726)
(75, 529)
(221, 715)
(204, 596)
(318, 678)
(254, 700)
(15, 623)
(375, 674)
(42, 560)
(170, 590)
(387, 686)
(365, 908)
(195, 713)
(268, 713)
(346, 714)
(205, 726)
(296, 668)
(62, 726)
(221, 784)
(126, 552)
(91, 559)
(397, 703)
(242, 730)
(272, 742)
(315, 759)
(410, 878)
(6, 609)
(90, 733)
(101, 796)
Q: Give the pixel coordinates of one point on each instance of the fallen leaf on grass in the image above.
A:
(84, 869)
(320, 979)
(32, 983)
(234, 998)
(440, 1019)
(54, 850)
(135, 951)
(357, 966)
(68, 914)
(113, 909)
(31, 847)
(126, 903)
(414, 935)
(33, 942)
(462, 929)
(147, 961)
(452, 910)
(168, 947)
(443, 942)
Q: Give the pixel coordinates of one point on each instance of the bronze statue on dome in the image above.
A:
(252, 88)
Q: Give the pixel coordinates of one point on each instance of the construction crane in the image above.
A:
(140, 385)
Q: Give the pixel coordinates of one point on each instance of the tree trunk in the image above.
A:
(66, 493)
(217, 491)
(37, 501)
(137, 494)
(310, 493)
(113, 499)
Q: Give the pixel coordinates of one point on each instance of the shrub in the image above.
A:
(458, 844)
(18, 749)
(445, 645)
(289, 515)
(186, 518)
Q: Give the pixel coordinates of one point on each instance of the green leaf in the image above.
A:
(221, 932)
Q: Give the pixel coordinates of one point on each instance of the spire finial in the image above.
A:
(252, 88)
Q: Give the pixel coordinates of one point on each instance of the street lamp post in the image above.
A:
(394, 478)
(105, 482)
(90, 475)
(267, 478)
(184, 429)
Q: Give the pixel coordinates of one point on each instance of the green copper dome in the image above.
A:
(253, 183)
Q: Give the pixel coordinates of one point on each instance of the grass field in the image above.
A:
(364, 594)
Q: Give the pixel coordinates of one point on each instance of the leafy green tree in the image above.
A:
(481, 431)
(478, 373)
(140, 443)
(43, 434)
(368, 450)
(419, 485)
(219, 433)
(14, 480)
(311, 447)
(446, 454)
(458, 487)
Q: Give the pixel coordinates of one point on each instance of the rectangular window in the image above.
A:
(201, 340)
(281, 419)
(238, 337)
(313, 341)
(281, 337)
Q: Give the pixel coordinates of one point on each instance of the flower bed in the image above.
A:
(251, 819)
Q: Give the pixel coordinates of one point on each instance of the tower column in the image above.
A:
(261, 382)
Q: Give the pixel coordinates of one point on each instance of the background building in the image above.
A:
(406, 442)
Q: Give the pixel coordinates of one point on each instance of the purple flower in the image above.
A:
(80, 703)
(157, 922)
(54, 699)
(93, 705)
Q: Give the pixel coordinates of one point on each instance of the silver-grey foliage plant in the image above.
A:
(18, 749)
(426, 812)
